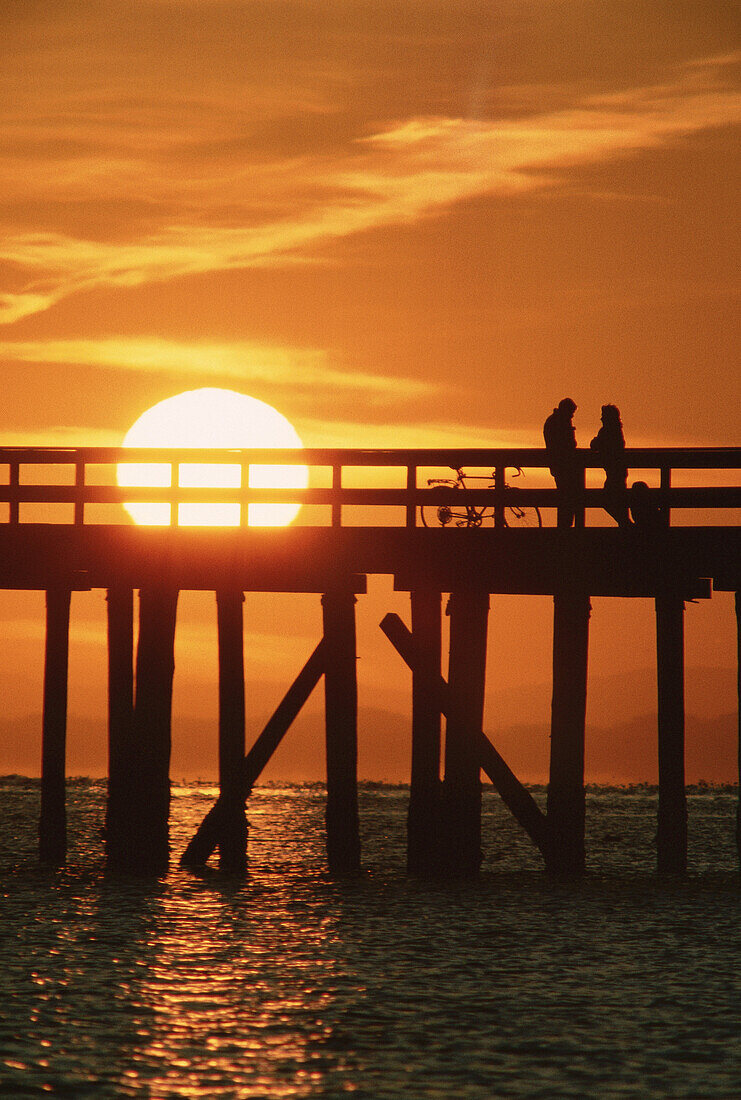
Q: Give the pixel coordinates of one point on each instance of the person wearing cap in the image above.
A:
(560, 441)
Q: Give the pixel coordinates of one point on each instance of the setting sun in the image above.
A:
(212, 418)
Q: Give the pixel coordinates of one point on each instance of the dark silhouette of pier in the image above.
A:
(65, 529)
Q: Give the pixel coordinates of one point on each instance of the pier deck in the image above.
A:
(365, 528)
(600, 560)
(65, 528)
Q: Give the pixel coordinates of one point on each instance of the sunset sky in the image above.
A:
(407, 223)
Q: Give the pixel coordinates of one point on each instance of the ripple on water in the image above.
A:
(290, 984)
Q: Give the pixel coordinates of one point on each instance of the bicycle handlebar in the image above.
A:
(462, 477)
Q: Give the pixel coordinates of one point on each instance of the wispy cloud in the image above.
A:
(14, 307)
(62, 435)
(333, 432)
(405, 172)
(329, 432)
(243, 362)
(423, 433)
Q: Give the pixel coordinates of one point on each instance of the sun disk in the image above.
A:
(211, 418)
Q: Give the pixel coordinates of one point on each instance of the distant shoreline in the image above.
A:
(14, 779)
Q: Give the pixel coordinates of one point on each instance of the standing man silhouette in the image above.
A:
(560, 442)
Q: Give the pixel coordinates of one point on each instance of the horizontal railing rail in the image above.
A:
(26, 486)
(697, 458)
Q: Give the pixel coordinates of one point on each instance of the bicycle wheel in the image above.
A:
(522, 517)
(436, 515)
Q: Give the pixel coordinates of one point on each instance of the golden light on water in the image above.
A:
(211, 418)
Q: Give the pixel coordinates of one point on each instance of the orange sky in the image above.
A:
(417, 222)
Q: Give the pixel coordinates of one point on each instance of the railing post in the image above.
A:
(336, 488)
(244, 508)
(79, 516)
(499, 486)
(14, 480)
(411, 520)
(174, 484)
(664, 506)
(579, 506)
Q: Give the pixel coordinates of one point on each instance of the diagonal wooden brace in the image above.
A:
(206, 838)
(515, 796)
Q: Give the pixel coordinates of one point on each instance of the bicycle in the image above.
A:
(472, 515)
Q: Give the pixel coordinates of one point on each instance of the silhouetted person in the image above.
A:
(646, 514)
(560, 441)
(609, 444)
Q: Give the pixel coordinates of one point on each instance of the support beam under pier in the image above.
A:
(566, 799)
(341, 724)
(738, 683)
(461, 794)
(145, 846)
(423, 825)
(672, 822)
(120, 616)
(233, 821)
(53, 819)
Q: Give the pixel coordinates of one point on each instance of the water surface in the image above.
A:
(290, 984)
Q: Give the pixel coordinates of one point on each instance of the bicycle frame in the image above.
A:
(473, 515)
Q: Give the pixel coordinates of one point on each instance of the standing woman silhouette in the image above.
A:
(609, 443)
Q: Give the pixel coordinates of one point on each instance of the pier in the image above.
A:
(64, 529)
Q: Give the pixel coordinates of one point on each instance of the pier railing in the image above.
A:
(82, 477)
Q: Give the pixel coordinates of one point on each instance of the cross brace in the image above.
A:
(206, 838)
(515, 796)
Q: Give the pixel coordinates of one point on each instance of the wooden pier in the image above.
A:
(65, 529)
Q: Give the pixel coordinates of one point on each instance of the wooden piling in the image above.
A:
(671, 836)
(738, 691)
(341, 720)
(738, 681)
(145, 847)
(53, 818)
(233, 822)
(423, 824)
(461, 791)
(566, 798)
(120, 620)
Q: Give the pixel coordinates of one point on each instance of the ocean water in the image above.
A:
(292, 984)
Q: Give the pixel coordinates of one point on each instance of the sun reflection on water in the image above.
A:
(290, 984)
